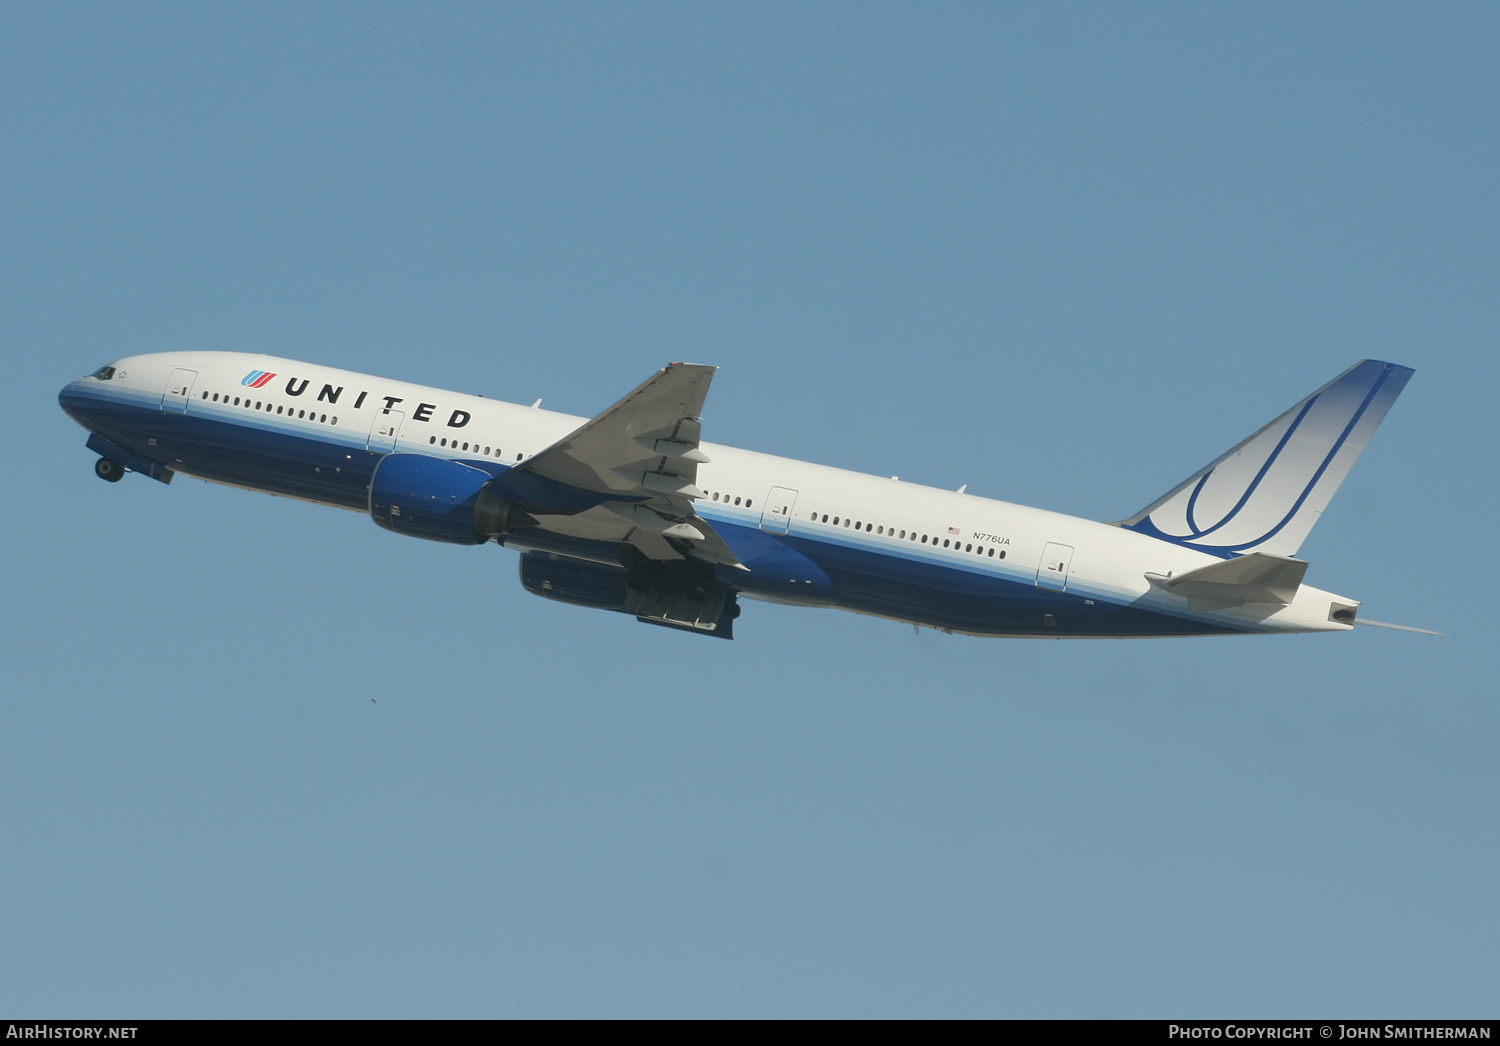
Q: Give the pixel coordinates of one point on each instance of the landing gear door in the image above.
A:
(1052, 572)
(385, 430)
(179, 388)
(778, 511)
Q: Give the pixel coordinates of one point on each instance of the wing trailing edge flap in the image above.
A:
(1253, 578)
(639, 460)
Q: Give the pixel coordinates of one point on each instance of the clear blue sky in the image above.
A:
(1063, 254)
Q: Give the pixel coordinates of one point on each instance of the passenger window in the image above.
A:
(736, 501)
(1002, 553)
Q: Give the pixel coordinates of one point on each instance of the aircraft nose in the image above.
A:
(78, 400)
(68, 398)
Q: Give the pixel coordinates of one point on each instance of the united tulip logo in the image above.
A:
(257, 378)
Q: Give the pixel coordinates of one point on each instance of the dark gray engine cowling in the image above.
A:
(679, 595)
(440, 500)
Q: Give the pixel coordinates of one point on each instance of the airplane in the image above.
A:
(631, 511)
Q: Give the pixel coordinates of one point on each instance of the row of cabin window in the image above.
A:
(748, 501)
(871, 528)
(314, 416)
(445, 442)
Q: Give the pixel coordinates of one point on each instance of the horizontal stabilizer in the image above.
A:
(1256, 578)
(1266, 493)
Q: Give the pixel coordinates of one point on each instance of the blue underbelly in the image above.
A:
(332, 466)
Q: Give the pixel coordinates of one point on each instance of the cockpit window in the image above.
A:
(104, 373)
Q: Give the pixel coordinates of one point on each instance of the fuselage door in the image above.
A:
(179, 388)
(778, 511)
(385, 430)
(1052, 572)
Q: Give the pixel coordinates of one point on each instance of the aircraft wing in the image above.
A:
(640, 460)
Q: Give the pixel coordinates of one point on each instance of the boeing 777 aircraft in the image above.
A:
(631, 511)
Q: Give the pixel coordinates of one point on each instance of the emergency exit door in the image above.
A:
(179, 387)
(385, 430)
(777, 515)
(1052, 572)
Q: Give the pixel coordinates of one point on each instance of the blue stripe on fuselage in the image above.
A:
(314, 461)
(331, 465)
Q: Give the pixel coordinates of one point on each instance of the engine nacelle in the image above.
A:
(440, 500)
(682, 594)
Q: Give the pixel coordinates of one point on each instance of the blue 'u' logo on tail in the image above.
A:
(1267, 492)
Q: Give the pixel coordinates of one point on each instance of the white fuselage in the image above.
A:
(313, 432)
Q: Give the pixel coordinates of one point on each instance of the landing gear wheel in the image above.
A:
(108, 470)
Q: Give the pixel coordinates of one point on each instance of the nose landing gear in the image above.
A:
(109, 471)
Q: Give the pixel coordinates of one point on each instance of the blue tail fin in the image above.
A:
(1266, 493)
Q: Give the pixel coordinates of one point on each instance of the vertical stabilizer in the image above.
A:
(1266, 493)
